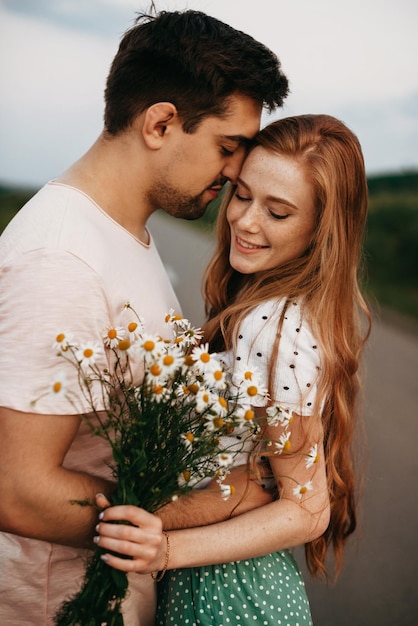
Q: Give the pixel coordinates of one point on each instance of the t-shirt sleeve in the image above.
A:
(297, 369)
(44, 293)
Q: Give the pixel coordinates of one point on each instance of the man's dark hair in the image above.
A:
(195, 62)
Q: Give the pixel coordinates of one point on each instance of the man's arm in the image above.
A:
(36, 491)
(201, 507)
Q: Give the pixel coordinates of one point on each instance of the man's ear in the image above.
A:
(158, 117)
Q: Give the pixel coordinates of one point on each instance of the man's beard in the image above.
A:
(177, 203)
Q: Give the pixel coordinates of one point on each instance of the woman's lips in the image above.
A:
(247, 246)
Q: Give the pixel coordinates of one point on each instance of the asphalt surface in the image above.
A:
(378, 585)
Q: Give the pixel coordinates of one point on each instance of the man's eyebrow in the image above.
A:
(246, 141)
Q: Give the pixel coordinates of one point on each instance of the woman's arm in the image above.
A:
(294, 519)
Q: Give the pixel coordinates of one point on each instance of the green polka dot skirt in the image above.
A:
(262, 591)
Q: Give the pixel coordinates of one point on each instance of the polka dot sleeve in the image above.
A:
(294, 384)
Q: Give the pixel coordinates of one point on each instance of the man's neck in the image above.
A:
(107, 174)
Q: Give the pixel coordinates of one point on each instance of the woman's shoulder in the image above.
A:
(273, 309)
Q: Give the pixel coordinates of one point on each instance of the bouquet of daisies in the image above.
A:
(165, 432)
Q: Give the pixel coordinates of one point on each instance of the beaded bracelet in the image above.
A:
(161, 573)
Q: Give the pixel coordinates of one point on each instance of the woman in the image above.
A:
(283, 298)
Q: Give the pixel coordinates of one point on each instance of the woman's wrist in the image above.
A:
(159, 575)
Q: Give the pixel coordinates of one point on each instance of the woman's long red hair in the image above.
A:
(327, 278)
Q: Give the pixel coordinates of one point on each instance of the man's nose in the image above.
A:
(234, 165)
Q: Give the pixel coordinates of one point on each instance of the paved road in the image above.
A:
(378, 586)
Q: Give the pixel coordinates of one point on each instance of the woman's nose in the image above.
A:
(249, 218)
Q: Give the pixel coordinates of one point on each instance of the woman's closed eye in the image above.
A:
(278, 216)
(242, 198)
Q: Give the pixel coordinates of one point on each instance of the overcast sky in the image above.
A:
(355, 59)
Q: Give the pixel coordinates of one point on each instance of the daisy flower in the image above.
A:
(251, 386)
(149, 347)
(88, 353)
(204, 360)
(171, 361)
(176, 320)
(313, 456)
(112, 336)
(300, 490)
(220, 405)
(224, 459)
(277, 416)
(213, 422)
(63, 341)
(204, 399)
(226, 491)
(188, 439)
(134, 330)
(159, 392)
(124, 347)
(216, 379)
(244, 414)
(187, 478)
(190, 336)
(283, 444)
(154, 371)
(59, 385)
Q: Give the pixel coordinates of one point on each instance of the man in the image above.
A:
(183, 100)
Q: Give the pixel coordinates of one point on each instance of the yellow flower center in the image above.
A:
(124, 344)
(185, 389)
(218, 422)
(248, 375)
(188, 360)
(231, 489)
(316, 459)
(190, 437)
(88, 353)
(132, 326)
(57, 387)
(303, 489)
(218, 375)
(149, 345)
(157, 390)
(223, 402)
(168, 359)
(249, 415)
(186, 475)
(252, 390)
(155, 369)
(112, 333)
(205, 397)
(193, 388)
(60, 337)
(205, 357)
(287, 445)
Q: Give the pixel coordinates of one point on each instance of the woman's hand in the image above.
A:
(142, 542)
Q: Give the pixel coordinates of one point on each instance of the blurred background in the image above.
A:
(357, 60)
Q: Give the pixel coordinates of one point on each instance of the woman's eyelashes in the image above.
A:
(241, 198)
(278, 216)
(273, 214)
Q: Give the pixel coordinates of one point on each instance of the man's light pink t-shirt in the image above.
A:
(65, 265)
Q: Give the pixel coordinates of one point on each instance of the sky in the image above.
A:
(355, 59)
